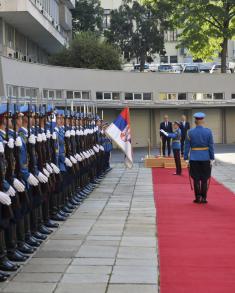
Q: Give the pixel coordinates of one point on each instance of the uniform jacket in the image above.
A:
(199, 144)
(176, 136)
(61, 155)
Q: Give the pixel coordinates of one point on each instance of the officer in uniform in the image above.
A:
(199, 150)
(108, 146)
(176, 146)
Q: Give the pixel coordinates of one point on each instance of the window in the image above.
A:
(163, 96)
(173, 59)
(218, 96)
(51, 95)
(182, 96)
(107, 96)
(172, 96)
(85, 95)
(69, 95)
(58, 94)
(116, 96)
(129, 96)
(164, 59)
(137, 96)
(147, 96)
(201, 96)
(233, 96)
(77, 95)
(99, 96)
(45, 94)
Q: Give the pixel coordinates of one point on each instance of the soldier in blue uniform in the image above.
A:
(176, 145)
(108, 146)
(199, 150)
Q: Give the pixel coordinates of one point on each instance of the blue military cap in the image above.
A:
(97, 117)
(59, 112)
(49, 109)
(3, 109)
(24, 109)
(199, 115)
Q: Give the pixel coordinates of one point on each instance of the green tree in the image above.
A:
(206, 26)
(88, 16)
(137, 29)
(87, 50)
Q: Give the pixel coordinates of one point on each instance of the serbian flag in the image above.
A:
(120, 132)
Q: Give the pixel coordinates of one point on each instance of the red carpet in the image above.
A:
(196, 242)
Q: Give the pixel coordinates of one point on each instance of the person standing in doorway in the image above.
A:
(184, 127)
(166, 125)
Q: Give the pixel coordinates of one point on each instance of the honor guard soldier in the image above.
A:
(176, 146)
(199, 150)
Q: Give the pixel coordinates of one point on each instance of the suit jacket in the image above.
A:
(184, 128)
(167, 129)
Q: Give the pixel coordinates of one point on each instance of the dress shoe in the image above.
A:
(8, 266)
(39, 235)
(51, 224)
(16, 256)
(67, 210)
(44, 230)
(32, 242)
(73, 201)
(58, 218)
(61, 213)
(26, 249)
(78, 199)
(3, 277)
(204, 201)
(70, 206)
(197, 200)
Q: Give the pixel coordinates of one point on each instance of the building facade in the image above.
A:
(31, 30)
(149, 96)
(173, 54)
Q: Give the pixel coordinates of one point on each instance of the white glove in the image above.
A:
(68, 163)
(5, 199)
(18, 142)
(1, 148)
(72, 132)
(11, 191)
(78, 157)
(73, 160)
(39, 137)
(55, 168)
(32, 180)
(101, 148)
(44, 138)
(49, 169)
(77, 132)
(48, 134)
(67, 133)
(42, 178)
(32, 139)
(83, 158)
(212, 162)
(45, 172)
(164, 132)
(54, 137)
(19, 186)
(11, 143)
(96, 149)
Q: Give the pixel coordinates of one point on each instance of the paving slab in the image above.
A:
(107, 246)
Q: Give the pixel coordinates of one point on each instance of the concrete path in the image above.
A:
(107, 246)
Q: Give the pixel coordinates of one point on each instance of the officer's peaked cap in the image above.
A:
(199, 115)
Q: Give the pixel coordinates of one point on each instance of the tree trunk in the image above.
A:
(224, 55)
(142, 61)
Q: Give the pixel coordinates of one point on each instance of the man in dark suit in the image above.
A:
(166, 125)
(184, 127)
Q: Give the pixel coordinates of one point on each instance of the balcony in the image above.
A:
(34, 23)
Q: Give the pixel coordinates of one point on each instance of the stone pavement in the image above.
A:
(107, 246)
(224, 169)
